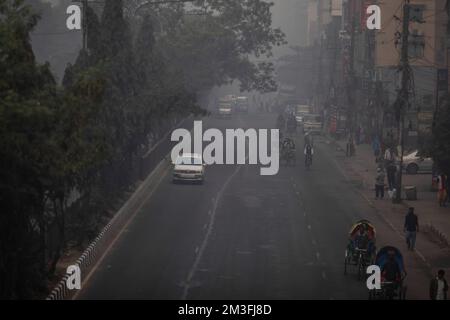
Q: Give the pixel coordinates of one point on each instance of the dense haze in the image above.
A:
(51, 43)
(224, 150)
(291, 17)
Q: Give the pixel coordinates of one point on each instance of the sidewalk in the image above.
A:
(433, 245)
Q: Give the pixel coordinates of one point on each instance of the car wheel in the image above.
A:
(412, 168)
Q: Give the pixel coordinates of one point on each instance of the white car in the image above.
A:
(414, 163)
(225, 111)
(189, 167)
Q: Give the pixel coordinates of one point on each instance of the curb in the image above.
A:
(94, 251)
(443, 238)
(382, 216)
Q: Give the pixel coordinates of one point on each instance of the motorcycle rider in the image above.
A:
(288, 144)
(309, 152)
(308, 139)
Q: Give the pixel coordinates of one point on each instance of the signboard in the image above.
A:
(425, 120)
(336, 8)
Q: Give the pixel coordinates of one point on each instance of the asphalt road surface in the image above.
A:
(246, 236)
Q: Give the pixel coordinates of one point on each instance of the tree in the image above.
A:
(30, 166)
(219, 42)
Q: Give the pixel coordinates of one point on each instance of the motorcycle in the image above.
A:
(308, 161)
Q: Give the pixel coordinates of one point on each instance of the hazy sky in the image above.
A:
(290, 16)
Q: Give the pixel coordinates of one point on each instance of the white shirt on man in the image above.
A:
(440, 289)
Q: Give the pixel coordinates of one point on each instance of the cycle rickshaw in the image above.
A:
(390, 261)
(360, 251)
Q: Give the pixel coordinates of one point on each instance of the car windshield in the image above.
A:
(412, 154)
(189, 160)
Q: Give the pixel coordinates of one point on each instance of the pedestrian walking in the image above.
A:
(350, 147)
(411, 228)
(358, 135)
(439, 287)
(379, 184)
(391, 168)
(442, 190)
(447, 185)
(376, 147)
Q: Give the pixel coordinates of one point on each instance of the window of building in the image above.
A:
(416, 45)
(417, 12)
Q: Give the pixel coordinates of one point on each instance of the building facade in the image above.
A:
(359, 74)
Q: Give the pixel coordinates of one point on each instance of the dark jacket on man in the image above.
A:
(411, 222)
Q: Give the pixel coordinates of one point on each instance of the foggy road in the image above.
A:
(94, 199)
(245, 236)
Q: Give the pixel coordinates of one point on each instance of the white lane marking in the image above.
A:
(204, 244)
(318, 255)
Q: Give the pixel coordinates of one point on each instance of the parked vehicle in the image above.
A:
(414, 163)
(242, 104)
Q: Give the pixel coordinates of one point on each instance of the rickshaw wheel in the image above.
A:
(360, 271)
(402, 295)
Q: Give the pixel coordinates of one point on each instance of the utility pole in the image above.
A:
(403, 101)
(85, 23)
(351, 71)
(320, 69)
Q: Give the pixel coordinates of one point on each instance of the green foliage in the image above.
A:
(87, 134)
(30, 169)
(224, 43)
